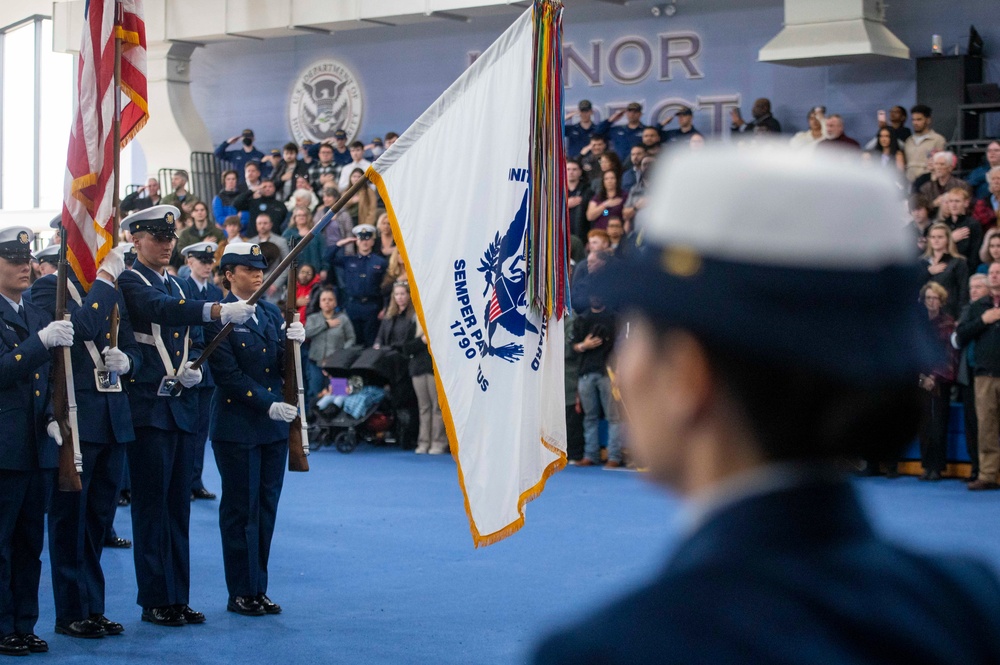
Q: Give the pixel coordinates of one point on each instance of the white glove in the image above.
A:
(282, 412)
(189, 376)
(113, 264)
(57, 333)
(116, 360)
(236, 312)
(296, 332)
(52, 429)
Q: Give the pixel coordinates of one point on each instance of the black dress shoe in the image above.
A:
(13, 645)
(110, 627)
(933, 476)
(118, 543)
(163, 616)
(84, 629)
(34, 643)
(270, 607)
(125, 498)
(245, 605)
(202, 494)
(190, 616)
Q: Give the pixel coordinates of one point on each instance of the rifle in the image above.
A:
(63, 392)
(298, 436)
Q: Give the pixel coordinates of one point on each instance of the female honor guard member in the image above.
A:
(250, 431)
(27, 454)
(165, 415)
(767, 342)
(200, 259)
(79, 522)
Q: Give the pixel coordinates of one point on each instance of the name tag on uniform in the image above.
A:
(8, 327)
(170, 386)
(107, 382)
(239, 329)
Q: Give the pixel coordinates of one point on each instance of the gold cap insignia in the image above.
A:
(255, 250)
(23, 237)
(169, 217)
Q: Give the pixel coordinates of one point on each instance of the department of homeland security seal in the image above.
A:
(507, 325)
(326, 97)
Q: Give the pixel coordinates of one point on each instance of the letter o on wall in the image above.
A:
(615, 54)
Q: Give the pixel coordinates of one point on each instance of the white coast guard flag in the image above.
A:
(499, 366)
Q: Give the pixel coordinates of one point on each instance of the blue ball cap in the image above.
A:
(795, 258)
(158, 220)
(243, 254)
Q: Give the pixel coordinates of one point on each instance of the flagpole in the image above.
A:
(117, 136)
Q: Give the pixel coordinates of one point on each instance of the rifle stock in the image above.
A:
(296, 451)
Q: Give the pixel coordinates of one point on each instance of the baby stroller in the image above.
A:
(367, 412)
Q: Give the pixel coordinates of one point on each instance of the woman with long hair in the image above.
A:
(385, 243)
(399, 327)
(947, 267)
(299, 225)
(362, 204)
(886, 152)
(222, 202)
(328, 331)
(936, 384)
(990, 251)
(607, 202)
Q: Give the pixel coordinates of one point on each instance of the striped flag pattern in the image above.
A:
(88, 214)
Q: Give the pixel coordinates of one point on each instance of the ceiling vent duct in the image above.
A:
(824, 32)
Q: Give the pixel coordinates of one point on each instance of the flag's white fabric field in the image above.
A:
(456, 184)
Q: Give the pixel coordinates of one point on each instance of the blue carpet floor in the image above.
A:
(373, 563)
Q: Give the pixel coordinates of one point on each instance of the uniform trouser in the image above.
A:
(574, 433)
(79, 522)
(595, 394)
(22, 533)
(252, 476)
(971, 423)
(431, 422)
(934, 433)
(159, 463)
(364, 318)
(201, 438)
(988, 414)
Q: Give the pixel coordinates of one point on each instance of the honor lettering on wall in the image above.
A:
(632, 60)
(326, 97)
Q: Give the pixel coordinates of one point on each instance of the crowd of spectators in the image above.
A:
(353, 287)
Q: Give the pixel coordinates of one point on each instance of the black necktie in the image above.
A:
(24, 318)
(167, 284)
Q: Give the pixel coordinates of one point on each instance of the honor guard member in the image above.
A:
(127, 251)
(250, 430)
(165, 415)
(48, 260)
(200, 259)
(27, 453)
(764, 346)
(80, 522)
(361, 275)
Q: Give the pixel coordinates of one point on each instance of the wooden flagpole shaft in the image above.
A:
(272, 277)
(116, 217)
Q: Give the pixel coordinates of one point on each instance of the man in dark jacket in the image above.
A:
(262, 201)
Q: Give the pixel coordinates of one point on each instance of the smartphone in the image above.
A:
(881, 116)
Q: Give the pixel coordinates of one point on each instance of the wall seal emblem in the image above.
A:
(326, 97)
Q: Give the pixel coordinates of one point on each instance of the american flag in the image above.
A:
(88, 207)
(495, 310)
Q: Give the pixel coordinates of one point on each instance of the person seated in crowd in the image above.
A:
(390, 138)
(201, 230)
(989, 252)
(341, 225)
(636, 200)
(631, 175)
(242, 156)
(598, 253)
(609, 161)
(232, 226)
(362, 206)
(922, 143)
(607, 202)
(358, 162)
(896, 124)
(341, 152)
(302, 197)
(977, 179)
(921, 218)
(987, 209)
(936, 384)
(942, 179)
(594, 332)
(307, 284)
(251, 176)
(385, 243)
(306, 154)
(374, 149)
(591, 161)
(327, 331)
(266, 233)
(146, 196)
(763, 122)
(261, 202)
(288, 170)
(432, 438)
(651, 141)
(298, 228)
(578, 195)
(325, 166)
(180, 197)
(222, 202)
(816, 134)
(685, 127)
(886, 152)
(621, 138)
(966, 233)
(835, 136)
(947, 267)
(578, 134)
(965, 376)
(616, 232)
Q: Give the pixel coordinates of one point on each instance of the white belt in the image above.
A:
(157, 340)
(91, 347)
